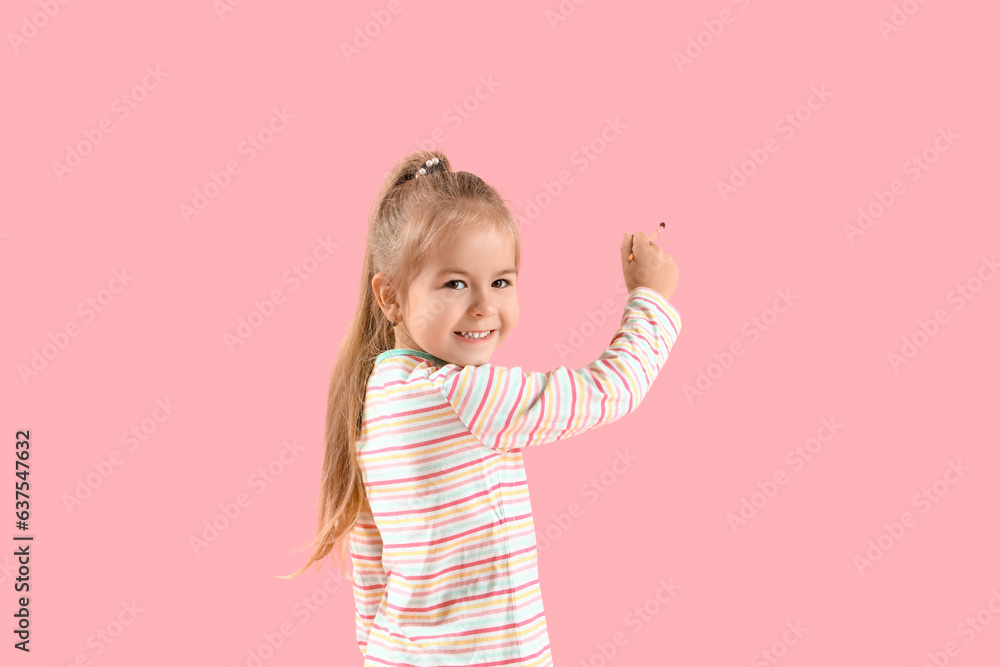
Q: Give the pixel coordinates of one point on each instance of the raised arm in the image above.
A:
(508, 409)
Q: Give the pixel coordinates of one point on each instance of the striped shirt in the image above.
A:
(445, 564)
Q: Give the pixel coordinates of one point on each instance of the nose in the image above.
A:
(482, 303)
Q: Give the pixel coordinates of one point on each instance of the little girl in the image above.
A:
(423, 475)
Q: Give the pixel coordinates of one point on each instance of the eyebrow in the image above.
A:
(467, 274)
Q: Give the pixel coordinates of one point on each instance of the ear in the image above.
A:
(383, 294)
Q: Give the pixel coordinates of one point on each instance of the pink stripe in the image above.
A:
(388, 496)
(485, 397)
(480, 663)
(388, 435)
(500, 403)
(454, 568)
(541, 418)
(418, 478)
(476, 631)
(498, 593)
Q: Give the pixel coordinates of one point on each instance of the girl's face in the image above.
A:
(467, 286)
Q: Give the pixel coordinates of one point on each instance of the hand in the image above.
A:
(650, 267)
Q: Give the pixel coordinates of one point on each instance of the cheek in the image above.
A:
(435, 316)
(417, 325)
(511, 315)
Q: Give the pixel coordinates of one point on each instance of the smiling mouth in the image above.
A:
(479, 337)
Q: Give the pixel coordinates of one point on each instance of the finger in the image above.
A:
(626, 249)
(635, 244)
(640, 245)
(651, 247)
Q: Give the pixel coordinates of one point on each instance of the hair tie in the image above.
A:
(430, 166)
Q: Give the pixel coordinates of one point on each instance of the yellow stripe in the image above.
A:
(398, 553)
(497, 566)
(458, 642)
(457, 509)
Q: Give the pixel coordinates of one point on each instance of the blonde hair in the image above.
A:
(409, 218)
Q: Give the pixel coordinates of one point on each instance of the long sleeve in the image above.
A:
(507, 409)
(369, 575)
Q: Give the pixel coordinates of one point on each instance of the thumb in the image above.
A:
(640, 247)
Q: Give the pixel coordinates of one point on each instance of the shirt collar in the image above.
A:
(396, 352)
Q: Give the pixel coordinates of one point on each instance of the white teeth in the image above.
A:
(474, 335)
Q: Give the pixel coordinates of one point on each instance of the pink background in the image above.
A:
(554, 87)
